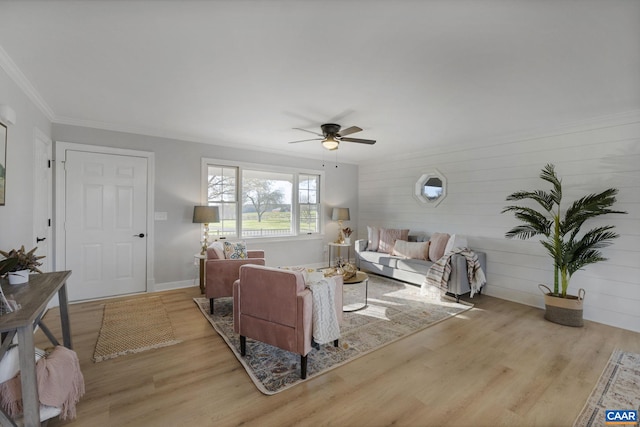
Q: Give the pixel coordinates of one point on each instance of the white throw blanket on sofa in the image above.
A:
(438, 274)
(324, 320)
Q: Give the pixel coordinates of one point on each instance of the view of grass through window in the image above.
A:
(264, 202)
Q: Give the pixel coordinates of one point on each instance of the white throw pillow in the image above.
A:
(10, 363)
(373, 238)
(455, 241)
(218, 248)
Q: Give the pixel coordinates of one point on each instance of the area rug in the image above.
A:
(617, 388)
(394, 311)
(133, 326)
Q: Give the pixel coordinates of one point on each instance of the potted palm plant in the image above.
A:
(569, 248)
(18, 263)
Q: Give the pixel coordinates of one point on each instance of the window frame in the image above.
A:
(295, 203)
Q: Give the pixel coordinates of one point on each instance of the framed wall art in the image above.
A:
(3, 163)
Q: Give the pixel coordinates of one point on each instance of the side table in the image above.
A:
(33, 298)
(360, 277)
(334, 245)
(202, 259)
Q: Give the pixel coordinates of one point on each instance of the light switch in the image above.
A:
(160, 216)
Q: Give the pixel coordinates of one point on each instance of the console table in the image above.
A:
(33, 298)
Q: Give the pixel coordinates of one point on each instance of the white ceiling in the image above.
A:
(244, 73)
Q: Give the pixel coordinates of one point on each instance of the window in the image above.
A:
(266, 204)
(308, 189)
(256, 201)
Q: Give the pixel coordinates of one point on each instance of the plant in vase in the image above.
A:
(18, 263)
(346, 232)
(569, 249)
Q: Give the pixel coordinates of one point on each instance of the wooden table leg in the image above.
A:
(28, 379)
(64, 316)
(202, 281)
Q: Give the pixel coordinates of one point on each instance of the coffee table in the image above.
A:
(360, 278)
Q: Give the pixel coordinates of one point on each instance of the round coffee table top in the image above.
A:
(360, 276)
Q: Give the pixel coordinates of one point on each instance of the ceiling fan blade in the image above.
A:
(310, 131)
(305, 140)
(361, 141)
(349, 131)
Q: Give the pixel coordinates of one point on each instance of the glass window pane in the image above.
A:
(221, 192)
(221, 184)
(228, 224)
(308, 187)
(266, 203)
(309, 219)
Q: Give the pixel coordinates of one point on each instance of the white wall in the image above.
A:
(16, 223)
(590, 158)
(177, 190)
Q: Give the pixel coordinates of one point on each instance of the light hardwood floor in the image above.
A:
(498, 364)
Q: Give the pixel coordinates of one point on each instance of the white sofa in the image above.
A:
(414, 271)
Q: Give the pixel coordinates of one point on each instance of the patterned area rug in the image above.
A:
(395, 310)
(617, 388)
(133, 326)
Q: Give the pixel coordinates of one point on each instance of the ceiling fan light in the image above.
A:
(330, 142)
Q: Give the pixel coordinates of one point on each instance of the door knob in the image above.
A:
(40, 239)
(139, 235)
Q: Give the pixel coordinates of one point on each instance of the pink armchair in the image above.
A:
(221, 273)
(273, 306)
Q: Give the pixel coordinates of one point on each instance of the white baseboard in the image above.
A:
(176, 285)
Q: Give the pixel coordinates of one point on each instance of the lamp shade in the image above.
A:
(340, 214)
(205, 214)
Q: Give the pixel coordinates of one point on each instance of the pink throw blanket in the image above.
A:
(60, 384)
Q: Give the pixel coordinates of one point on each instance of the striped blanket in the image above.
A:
(438, 274)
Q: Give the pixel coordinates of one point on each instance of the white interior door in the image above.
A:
(105, 224)
(42, 205)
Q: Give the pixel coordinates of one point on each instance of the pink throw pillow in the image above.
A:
(437, 244)
(413, 250)
(388, 237)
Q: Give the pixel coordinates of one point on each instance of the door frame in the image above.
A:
(60, 200)
(39, 137)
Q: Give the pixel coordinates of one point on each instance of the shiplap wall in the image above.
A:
(589, 158)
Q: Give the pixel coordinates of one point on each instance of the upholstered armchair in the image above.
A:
(221, 273)
(273, 306)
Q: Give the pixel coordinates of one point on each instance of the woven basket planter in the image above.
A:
(564, 311)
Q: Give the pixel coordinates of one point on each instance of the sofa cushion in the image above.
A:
(437, 244)
(373, 235)
(379, 258)
(388, 237)
(414, 265)
(415, 250)
(456, 241)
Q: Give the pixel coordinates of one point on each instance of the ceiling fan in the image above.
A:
(332, 136)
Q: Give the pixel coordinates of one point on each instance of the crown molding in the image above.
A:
(12, 70)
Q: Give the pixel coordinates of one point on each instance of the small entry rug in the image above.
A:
(617, 388)
(133, 326)
(395, 310)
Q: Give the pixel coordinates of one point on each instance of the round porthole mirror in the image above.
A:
(431, 188)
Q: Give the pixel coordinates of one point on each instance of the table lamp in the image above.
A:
(205, 215)
(340, 214)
